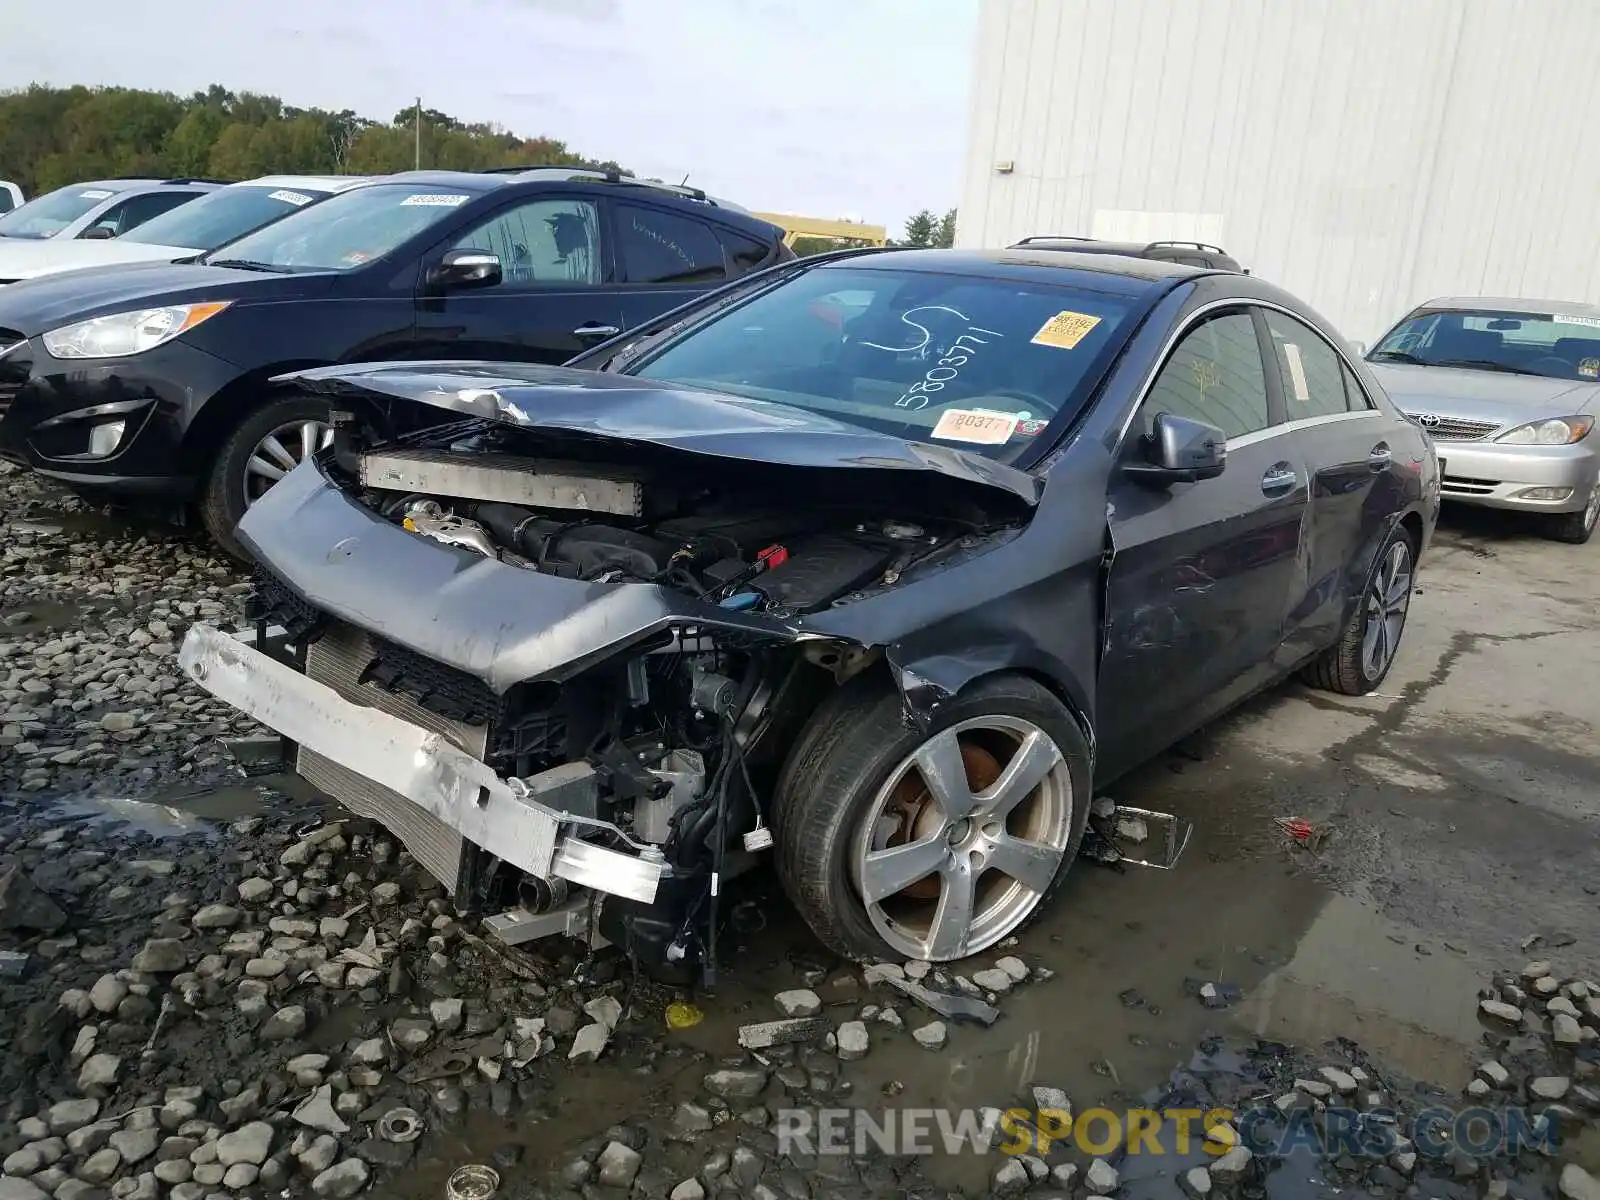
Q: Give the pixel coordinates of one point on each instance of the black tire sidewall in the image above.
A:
(877, 757)
(222, 500)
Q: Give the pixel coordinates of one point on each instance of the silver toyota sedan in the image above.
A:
(1509, 391)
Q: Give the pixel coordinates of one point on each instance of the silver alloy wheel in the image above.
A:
(962, 841)
(1387, 602)
(280, 452)
(1591, 511)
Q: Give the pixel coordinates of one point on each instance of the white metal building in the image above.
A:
(1364, 154)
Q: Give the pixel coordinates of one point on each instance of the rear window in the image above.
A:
(744, 254)
(220, 216)
(662, 247)
(964, 361)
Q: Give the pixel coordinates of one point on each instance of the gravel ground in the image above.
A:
(284, 1003)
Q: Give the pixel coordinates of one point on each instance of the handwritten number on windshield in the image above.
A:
(957, 355)
(927, 336)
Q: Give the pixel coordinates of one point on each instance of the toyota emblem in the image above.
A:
(1429, 420)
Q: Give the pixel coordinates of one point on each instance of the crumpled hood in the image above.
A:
(21, 259)
(695, 421)
(1482, 395)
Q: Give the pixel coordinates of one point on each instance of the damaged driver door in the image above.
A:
(1202, 573)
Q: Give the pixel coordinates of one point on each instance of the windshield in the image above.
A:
(220, 216)
(965, 361)
(1552, 345)
(47, 215)
(345, 231)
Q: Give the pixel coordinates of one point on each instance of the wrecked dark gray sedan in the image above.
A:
(880, 561)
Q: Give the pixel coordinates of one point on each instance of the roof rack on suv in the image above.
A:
(570, 174)
(1206, 246)
(1053, 237)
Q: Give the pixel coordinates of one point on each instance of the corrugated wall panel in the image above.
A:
(1366, 154)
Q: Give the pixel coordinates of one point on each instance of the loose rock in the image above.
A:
(342, 1180)
(1101, 1178)
(801, 1002)
(247, 1144)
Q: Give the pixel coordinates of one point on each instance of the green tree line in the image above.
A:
(51, 137)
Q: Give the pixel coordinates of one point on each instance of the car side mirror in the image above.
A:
(1179, 450)
(460, 269)
(99, 233)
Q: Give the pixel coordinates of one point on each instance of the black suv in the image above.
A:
(1192, 254)
(157, 379)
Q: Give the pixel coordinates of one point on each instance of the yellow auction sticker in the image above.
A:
(1065, 330)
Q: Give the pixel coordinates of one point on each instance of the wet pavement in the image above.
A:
(1456, 816)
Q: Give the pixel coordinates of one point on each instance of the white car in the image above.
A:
(98, 208)
(10, 196)
(216, 219)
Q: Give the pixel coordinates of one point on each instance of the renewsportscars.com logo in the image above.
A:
(1370, 1133)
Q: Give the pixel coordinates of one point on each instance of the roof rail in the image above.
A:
(196, 179)
(1206, 246)
(1053, 237)
(592, 175)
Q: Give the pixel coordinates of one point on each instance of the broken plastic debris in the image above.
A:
(784, 1032)
(1167, 836)
(1302, 831)
(947, 1004)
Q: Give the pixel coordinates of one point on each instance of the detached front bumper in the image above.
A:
(1553, 479)
(450, 785)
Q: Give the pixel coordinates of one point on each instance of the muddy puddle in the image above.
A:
(40, 616)
(96, 524)
(1109, 1029)
(189, 811)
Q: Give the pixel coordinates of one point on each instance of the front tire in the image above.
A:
(1366, 651)
(901, 844)
(1575, 528)
(271, 441)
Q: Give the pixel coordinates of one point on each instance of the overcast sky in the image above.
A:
(827, 108)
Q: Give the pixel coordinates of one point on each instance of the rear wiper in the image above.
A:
(246, 264)
(1478, 364)
(1399, 356)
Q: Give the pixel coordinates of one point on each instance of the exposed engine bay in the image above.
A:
(583, 521)
(665, 753)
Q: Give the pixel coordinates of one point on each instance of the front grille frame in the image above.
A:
(1456, 429)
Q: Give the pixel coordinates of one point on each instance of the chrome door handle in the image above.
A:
(1379, 456)
(1279, 479)
(596, 331)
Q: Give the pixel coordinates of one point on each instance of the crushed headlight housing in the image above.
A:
(122, 334)
(1557, 431)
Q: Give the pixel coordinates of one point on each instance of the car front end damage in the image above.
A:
(562, 663)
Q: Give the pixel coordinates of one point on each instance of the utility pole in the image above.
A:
(419, 133)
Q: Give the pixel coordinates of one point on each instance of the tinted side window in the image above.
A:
(130, 214)
(1214, 375)
(1313, 376)
(542, 242)
(1354, 394)
(744, 254)
(662, 247)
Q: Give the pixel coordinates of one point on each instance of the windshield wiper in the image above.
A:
(1479, 364)
(1399, 356)
(247, 264)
